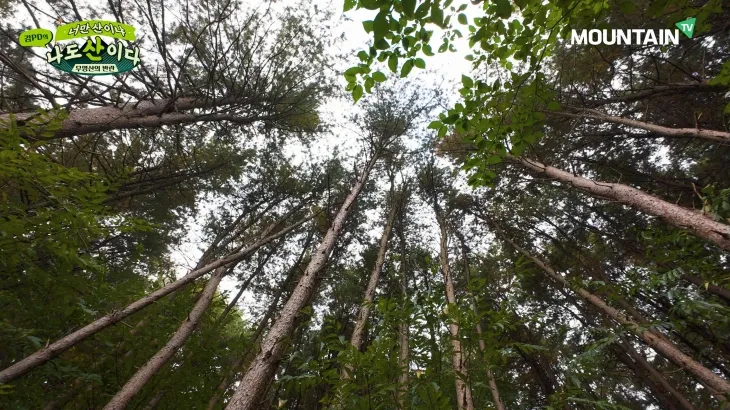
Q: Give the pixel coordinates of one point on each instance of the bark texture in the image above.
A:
(364, 312)
(662, 386)
(149, 369)
(463, 391)
(263, 366)
(702, 226)
(496, 399)
(151, 114)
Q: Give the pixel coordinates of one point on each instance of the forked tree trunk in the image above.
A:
(702, 226)
(463, 391)
(149, 369)
(54, 349)
(718, 386)
(482, 344)
(263, 366)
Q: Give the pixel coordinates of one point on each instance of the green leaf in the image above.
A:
(406, 69)
(393, 62)
(435, 125)
(357, 92)
(419, 63)
(553, 106)
(422, 10)
(437, 15)
(379, 76)
(352, 71)
(462, 19)
(350, 4)
(367, 25)
(427, 50)
(363, 55)
(467, 81)
(504, 8)
(442, 131)
(409, 7)
(382, 44)
(380, 25)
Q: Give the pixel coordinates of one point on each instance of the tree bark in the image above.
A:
(719, 387)
(473, 300)
(714, 289)
(702, 226)
(664, 388)
(364, 312)
(228, 379)
(463, 391)
(403, 327)
(150, 114)
(264, 364)
(54, 349)
(155, 400)
(149, 369)
(709, 135)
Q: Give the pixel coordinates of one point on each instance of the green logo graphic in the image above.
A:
(38, 37)
(94, 56)
(687, 26)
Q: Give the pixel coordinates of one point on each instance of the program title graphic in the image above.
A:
(93, 56)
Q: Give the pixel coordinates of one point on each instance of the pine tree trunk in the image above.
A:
(256, 336)
(666, 388)
(262, 368)
(54, 349)
(463, 391)
(364, 312)
(702, 226)
(482, 345)
(403, 327)
(149, 369)
(147, 114)
(719, 387)
(155, 400)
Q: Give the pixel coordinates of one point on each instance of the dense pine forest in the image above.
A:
(368, 204)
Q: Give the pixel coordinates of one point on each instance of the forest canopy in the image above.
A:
(290, 205)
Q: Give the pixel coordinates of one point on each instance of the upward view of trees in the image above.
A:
(231, 225)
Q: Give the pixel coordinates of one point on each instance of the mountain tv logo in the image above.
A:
(636, 36)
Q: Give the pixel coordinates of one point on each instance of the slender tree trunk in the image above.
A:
(659, 395)
(148, 114)
(664, 387)
(708, 135)
(404, 327)
(702, 226)
(264, 365)
(144, 374)
(473, 300)
(364, 312)
(155, 400)
(716, 290)
(228, 379)
(719, 387)
(244, 286)
(463, 391)
(54, 349)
